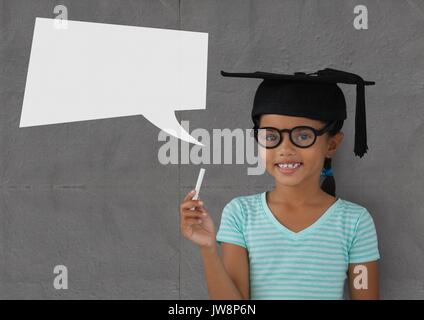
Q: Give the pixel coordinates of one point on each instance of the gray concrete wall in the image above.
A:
(92, 195)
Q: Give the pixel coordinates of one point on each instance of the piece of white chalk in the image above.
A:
(199, 183)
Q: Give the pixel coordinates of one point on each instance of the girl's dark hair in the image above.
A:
(329, 184)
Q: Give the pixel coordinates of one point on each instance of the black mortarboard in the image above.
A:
(314, 95)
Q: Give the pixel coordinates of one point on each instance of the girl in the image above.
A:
(297, 241)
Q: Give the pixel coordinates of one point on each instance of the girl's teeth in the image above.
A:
(290, 166)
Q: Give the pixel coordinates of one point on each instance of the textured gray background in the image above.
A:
(92, 195)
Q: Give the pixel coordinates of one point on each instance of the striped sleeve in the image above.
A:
(232, 225)
(364, 246)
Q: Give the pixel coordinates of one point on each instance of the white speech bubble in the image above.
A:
(94, 71)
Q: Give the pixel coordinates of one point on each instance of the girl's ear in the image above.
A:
(339, 138)
(334, 143)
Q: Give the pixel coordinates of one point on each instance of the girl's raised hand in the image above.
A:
(196, 225)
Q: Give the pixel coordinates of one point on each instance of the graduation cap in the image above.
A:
(312, 95)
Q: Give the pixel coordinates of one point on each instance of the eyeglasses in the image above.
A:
(300, 136)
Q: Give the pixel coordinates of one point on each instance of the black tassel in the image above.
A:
(361, 146)
(329, 184)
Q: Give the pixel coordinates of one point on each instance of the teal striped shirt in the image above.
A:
(310, 264)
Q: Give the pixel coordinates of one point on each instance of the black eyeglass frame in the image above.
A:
(280, 131)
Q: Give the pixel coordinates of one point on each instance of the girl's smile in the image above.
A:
(288, 167)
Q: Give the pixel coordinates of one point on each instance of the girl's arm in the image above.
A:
(366, 285)
(226, 278)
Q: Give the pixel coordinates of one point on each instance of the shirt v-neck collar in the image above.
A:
(303, 232)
